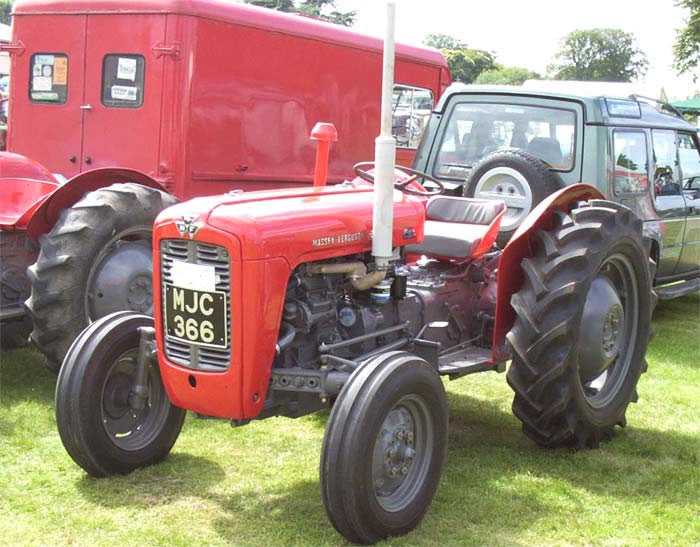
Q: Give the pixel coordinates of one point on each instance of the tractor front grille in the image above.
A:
(192, 355)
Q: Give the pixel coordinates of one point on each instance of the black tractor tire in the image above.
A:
(92, 240)
(384, 448)
(100, 430)
(519, 179)
(17, 252)
(582, 326)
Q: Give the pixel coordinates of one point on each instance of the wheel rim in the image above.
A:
(402, 453)
(510, 186)
(129, 428)
(609, 330)
(121, 276)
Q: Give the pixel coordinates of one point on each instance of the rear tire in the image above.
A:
(98, 428)
(17, 252)
(96, 260)
(582, 326)
(384, 448)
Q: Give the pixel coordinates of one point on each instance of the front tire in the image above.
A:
(96, 260)
(582, 326)
(99, 428)
(384, 448)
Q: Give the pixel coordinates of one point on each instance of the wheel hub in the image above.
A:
(602, 328)
(508, 185)
(395, 447)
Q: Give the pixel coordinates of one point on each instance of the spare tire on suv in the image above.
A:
(519, 179)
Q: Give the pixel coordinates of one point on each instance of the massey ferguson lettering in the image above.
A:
(338, 240)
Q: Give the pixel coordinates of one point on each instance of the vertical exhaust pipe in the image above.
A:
(385, 156)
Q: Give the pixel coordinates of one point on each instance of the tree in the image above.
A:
(599, 55)
(686, 50)
(5, 10)
(465, 64)
(506, 75)
(314, 8)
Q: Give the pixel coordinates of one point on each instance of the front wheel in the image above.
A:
(582, 326)
(100, 426)
(384, 448)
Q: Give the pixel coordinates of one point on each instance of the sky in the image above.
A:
(528, 34)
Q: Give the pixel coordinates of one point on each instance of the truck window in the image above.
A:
(411, 107)
(48, 78)
(689, 158)
(477, 129)
(122, 80)
(630, 154)
(666, 179)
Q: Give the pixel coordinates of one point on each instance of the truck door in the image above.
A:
(668, 200)
(123, 86)
(689, 158)
(47, 91)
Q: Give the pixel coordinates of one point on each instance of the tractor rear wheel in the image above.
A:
(384, 448)
(582, 326)
(101, 428)
(17, 252)
(96, 260)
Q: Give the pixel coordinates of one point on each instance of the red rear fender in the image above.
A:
(520, 246)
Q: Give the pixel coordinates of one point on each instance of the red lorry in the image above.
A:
(188, 99)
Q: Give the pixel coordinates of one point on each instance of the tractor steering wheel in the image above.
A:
(360, 170)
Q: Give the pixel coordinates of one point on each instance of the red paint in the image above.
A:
(267, 235)
(231, 92)
(510, 275)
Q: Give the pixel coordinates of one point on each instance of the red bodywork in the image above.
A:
(231, 92)
(267, 236)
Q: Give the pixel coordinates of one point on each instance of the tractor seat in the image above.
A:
(459, 227)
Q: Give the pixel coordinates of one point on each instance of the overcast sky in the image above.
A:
(529, 33)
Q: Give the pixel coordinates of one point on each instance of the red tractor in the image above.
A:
(358, 298)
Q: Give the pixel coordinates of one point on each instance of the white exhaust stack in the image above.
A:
(384, 156)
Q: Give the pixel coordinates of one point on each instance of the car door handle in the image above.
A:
(85, 107)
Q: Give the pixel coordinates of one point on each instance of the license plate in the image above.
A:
(195, 316)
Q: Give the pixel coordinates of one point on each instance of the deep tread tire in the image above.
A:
(17, 252)
(541, 180)
(60, 277)
(376, 389)
(80, 400)
(545, 339)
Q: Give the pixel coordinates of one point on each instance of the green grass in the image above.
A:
(258, 485)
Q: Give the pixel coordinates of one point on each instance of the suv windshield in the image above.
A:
(477, 129)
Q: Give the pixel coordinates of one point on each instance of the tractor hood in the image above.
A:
(299, 225)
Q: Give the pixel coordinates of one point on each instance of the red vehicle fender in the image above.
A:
(510, 275)
(39, 203)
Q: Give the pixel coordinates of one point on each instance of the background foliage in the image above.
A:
(314, 8)
(686, 50)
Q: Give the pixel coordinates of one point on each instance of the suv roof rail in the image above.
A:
(663, 105)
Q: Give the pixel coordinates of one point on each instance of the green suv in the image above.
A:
(521, 144)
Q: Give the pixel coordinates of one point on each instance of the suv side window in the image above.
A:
(411, 108)
(689, 159)
(666, 176)
(630, 156)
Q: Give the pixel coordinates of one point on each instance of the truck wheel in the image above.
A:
(96, 260)
(17, 252)
(515, 177)
(384, 448)
(582, 326)
(99, 428)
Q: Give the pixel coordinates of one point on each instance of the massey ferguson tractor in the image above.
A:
(359, 297)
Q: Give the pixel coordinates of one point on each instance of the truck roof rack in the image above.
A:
(662, 106)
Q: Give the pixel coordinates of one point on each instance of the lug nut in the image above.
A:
(404, 470)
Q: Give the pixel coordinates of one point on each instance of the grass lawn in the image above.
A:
(258, 485)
